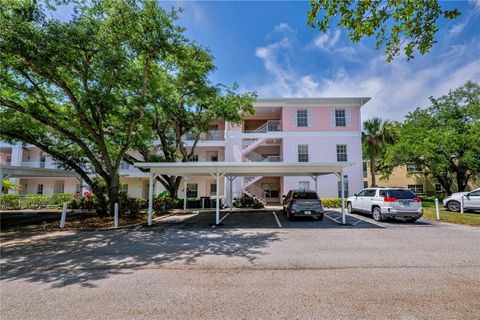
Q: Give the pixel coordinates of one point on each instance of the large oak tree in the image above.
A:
(79, 89)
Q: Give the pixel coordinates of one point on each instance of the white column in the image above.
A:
(150, 199)
(230, 196)
(185, 180)
(217, 202)
(342, 182)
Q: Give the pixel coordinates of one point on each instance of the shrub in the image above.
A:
(89, 201)
(247, 202)
(10, 201)
(332, 202)
(163, 204)
(128, 206)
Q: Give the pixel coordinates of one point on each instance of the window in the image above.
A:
(302, 118)
(474, 193)
(416, 188)
(304, 185)
(370, 192)
(345, 190)
(413, 167)
(213, 189)
(77, 188)
(124, 188)
(340, 119)
(382, 193)
(365, 184)
(438, 187)
(303, 153)
(342, 153)
(194, 158)
(192, 190)
(361, 193)
(124, 165)
(40, 189)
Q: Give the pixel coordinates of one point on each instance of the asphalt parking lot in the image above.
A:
(247, 268)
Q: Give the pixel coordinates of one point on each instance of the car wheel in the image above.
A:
(411, 220)
(349, 207)
(377, 214)
(453, 206)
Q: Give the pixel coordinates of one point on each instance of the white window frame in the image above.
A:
(416, 188)
(348, 117)
(342, 156)
(40, 188)
(194, 158)
(340, 118)
(302, 118)
(302, 151)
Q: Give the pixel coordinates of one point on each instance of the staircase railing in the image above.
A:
(257, 192)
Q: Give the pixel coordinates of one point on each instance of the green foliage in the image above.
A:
(444, 138)
(34, 201)
(163, 204)
(8, 184)
(9, 201)
(398, 24)
(332, 202)
(78, 89)
(88, 201)
(247, 202)
(377, 135)
(129, 206)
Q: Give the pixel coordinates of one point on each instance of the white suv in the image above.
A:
(385, 203)
(471, 201)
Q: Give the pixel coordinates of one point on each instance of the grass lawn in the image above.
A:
(472, 219)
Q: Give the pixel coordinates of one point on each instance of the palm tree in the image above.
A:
(376, 135)
(9, 185)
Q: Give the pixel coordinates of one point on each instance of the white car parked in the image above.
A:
(385, 203)
(471, 201)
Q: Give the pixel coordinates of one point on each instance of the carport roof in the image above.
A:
(244, 168)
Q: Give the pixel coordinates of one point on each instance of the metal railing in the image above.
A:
(212, 135)
(33, 164)
(257, 192)
(273, 159)
(269, 126)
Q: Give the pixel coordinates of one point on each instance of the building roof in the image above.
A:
(26, 172)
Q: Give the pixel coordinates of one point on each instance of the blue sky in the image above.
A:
(267, 47)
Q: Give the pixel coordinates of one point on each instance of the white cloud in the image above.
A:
(458, 28)
(327, 41)
(396, 88)
(282, 27)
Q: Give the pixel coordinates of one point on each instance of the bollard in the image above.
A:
(115, 217)
(437, 208)
(461, 205)
(64, 216)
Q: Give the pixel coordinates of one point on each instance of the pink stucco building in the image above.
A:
(282, 130)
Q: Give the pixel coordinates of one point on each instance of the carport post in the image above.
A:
(230, 198)
(342, 188)
(315, 178)
(150, 199)
(217, 177)
(185, 181)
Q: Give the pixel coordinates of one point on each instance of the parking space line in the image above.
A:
(223, 218)
(278, 221)
(327, 216)
(368, 221)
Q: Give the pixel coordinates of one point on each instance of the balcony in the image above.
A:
(32, 164)
(268, 126)
(212, 135)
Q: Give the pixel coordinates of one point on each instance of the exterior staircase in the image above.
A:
(256, 193)
(250, 145)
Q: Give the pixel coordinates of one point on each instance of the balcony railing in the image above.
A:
(269, 126)
(212, 135)
(33, 164)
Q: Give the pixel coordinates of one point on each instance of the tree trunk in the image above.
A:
(171, 183)
(373, 170)
(113, 190)
(462, 180)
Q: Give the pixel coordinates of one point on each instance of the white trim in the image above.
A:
(297, 134)
(311, 102)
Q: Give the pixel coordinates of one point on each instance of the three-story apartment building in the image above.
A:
(321, 130)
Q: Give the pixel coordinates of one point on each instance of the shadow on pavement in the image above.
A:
(81, 258)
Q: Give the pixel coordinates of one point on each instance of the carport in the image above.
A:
(231, 170)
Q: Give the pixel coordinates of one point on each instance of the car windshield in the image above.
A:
(305, 195)
(401, 194)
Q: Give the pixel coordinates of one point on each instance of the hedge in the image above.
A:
(33, 201)
(332, 202)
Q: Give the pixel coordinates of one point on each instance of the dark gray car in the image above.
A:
(302, 203)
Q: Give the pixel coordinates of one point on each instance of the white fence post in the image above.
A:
(461, 205)
(115, 216)
(64, 216)
(437, 208)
